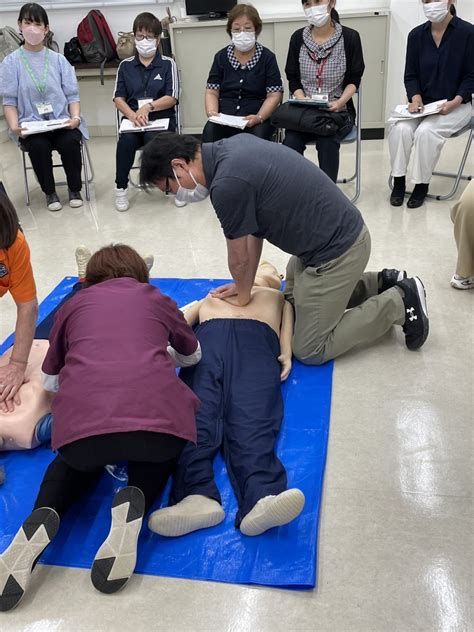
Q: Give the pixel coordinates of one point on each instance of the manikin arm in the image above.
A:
(191, 312)
(286, 335)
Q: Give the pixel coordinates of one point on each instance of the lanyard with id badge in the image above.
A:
(144, 100)
(321, 95)
(43, 107)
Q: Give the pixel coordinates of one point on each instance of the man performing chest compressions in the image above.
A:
(261, 190)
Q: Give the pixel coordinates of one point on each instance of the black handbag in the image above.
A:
(73, 52)
(312, 120)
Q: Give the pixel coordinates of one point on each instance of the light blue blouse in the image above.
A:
(18, 88)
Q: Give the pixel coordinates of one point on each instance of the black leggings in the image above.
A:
(151, 460)
(68, 143)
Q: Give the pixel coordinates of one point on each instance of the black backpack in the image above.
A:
(73, 52)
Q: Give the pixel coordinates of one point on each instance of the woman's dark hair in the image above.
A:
(452, 8)
(158, 153)
(248, 11)
(9, 223)
(115, 262)
(147, 22)
(33, 12)
(334, 14)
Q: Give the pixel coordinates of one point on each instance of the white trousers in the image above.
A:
(426, 136)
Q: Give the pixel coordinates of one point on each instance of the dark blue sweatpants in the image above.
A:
(238, 383)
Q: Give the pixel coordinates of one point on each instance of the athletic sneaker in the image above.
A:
(83, 254)
(121, 200)
(273, 511)
(52, 202)
(18, 560)
(416, 325)
(462, 283)
(192, 513)
(75, 199)
(115, 560)
(388, 278)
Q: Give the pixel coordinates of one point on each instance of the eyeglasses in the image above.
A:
(149, 38)
(167, 186)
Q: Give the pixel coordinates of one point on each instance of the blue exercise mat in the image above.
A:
(283, 557)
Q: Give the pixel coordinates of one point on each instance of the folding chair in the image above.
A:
(458, 176)
(87, 167)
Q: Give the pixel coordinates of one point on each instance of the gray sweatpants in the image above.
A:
(321, 296)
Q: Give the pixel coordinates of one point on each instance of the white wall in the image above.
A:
(96, 99)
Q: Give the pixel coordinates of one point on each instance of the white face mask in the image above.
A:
(244, 41)
(191, 196)
(145, 48)
(436, 11)
(319, 15)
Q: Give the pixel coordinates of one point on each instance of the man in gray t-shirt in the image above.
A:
(262, 190)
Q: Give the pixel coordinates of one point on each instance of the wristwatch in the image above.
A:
(152, 107)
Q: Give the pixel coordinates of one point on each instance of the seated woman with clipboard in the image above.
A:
(324, 66)
(146, 90)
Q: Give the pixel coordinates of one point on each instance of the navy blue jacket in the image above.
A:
(243, 90)
(136, 81)
(441, 72)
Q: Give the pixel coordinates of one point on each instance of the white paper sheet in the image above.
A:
(401, 111)
(229, 120)
(40, 127)
(158, 125)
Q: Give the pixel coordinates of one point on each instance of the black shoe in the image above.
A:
(416, 325)
(398, 193)
(418, 195)
(52, 202)
(75, 199)
(115, 560)
(19, 559)
(387, 278)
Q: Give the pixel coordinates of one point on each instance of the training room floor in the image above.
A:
(395, 542)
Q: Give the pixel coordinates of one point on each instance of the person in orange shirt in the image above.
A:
(16, 277)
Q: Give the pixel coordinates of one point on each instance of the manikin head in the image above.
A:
(267, 276)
